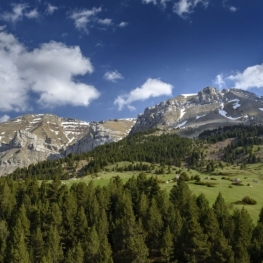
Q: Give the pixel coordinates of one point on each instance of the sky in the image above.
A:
(109, 59)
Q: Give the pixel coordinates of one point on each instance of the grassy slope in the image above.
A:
(230, 194)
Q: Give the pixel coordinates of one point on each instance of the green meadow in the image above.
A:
(231, 193)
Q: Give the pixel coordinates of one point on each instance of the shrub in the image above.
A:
(249, 201)
(197, 178)
(184, 176)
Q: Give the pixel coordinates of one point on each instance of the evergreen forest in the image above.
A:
(43, 220)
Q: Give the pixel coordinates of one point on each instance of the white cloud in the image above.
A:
(51, 9)
(2, 27)
(251, 77)
(155, 2)
(112, 76)
(131, 108)
(123, 24)
(232, 8)
(32, 14)
(4, 118)
(185, 7)
(18, 12)
(149, 1)
(47, 71)
(83, 17)
(105, 22)
(219, 81)
(151, 88)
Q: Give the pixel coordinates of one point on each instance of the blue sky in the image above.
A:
(101, 59)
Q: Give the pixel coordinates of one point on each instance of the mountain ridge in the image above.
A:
(36, 137)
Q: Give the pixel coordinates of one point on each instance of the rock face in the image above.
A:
(99, 134)
(190, 114)
(33, 138)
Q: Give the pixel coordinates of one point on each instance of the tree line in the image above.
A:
(131, 222)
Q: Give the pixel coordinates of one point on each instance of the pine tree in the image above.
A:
(37, 246)
(223, 217)
(75, 255)
(4, 233)
(54, 245)
(256, 249)
(166, 248)
(92, 245)
(194, 247)
(154, 229)
(17, 249)
(128, 236)
(104, 254)
(242, 235)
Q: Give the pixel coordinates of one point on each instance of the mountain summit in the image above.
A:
(190, 114)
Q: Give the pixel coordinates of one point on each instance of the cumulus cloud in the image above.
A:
(219, 81)
(85, 18)
(112, 76)
(106, 21)
(51, 9)
(151, 88)
(185, 7)
(149, 1)
(251, 77)
(155, 2)
(48, 72)
(32, 14)
(123, 24)
(19, 11)
(4, 118)
(232, 8)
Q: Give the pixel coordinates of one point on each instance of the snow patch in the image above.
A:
(198, 117)
(128, 119)
(224, 113)
(181, 124)
(188, 95)
(236, 105)
(18, 120)
(67, 123)
(261, 109)
(182, 113)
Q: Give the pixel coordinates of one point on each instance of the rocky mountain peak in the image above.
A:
(190, 114)
(36, 137)
(208, 95)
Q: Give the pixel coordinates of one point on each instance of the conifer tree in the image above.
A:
(104, 254)
(166, 247)
(194, 247)
(81, 225)
(75, 255)
(37, 246)
(242, 235)
(54, 245)
(154, 229)
(92, 245)
(4, 233)
(128, 237)
(17, 249)
(223, 216)
(7, 201)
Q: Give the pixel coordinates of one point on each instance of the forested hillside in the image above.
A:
(169, 149)
(132, 222)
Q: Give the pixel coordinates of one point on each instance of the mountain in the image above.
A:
(33, 138)
(37, 137)
(190, 114)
